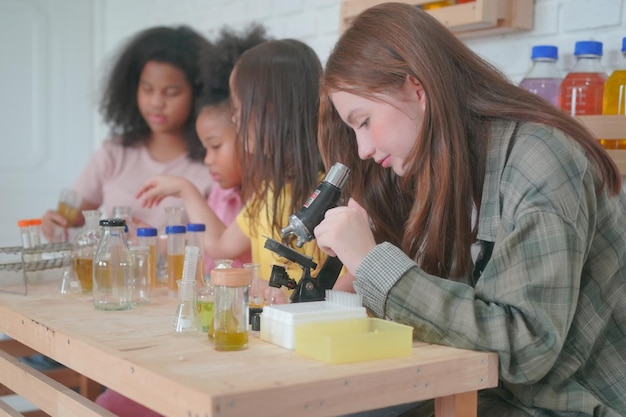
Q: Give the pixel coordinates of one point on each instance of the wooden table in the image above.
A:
(136, 353)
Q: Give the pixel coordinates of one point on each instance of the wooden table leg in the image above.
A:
(459, 405)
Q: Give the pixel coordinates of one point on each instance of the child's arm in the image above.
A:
(219, 241)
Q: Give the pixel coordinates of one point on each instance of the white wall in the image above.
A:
(557, 22)
(316, 22)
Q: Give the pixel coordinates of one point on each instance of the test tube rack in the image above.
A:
(16, 262)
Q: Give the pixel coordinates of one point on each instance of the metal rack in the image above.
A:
(16, 259)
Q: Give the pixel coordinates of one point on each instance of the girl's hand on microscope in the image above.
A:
(345, 233)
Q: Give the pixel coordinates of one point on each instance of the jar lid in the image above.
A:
(112, 223)
(28, 222)
(231, 277)
(147, 231)
(177, 228)
(588, 48)
(545, 51)
(196, 227)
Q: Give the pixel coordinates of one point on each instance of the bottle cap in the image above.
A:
(146, 231)
(176, 228)
(545, 51)
(113, 222)
(196, 227)
(28, 222)
(231, 277)
(588, 48)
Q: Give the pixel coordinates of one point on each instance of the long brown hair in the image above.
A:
(277, 84)
(445, 171)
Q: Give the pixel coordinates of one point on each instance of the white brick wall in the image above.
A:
(557, 22)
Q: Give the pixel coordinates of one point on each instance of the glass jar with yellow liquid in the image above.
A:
(85, 245)
(231, 313)
(175, 257)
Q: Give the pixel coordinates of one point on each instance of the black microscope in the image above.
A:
(301, 224)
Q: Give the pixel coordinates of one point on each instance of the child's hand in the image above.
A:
(158, 187)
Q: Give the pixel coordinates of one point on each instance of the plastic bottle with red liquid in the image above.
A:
(615, 100)
(582, 88)
(543, 78)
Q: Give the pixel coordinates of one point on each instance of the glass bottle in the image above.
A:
(85, 245)
(175, 256)
(543, 77)
(615, 100)
(583, 87)
(112, 268)
(231, 308)
(205, 299)
(195, 237)
(147, 236)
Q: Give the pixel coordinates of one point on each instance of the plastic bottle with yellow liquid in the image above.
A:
(614, 102)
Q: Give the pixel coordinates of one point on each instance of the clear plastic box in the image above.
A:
(278, 322)
(355, 340)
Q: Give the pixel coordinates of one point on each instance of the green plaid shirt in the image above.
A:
(551, 301)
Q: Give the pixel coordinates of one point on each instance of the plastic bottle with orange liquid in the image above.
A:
(615, 100)
(582, 88)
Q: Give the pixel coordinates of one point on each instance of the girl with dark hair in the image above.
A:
(274, 91)
(218, 135)
(446, 153)
(148, 103)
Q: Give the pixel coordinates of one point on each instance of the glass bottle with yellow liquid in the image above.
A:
(175, 257)
(85, 245)
(438, 4)
(112, 268)
(614, 102)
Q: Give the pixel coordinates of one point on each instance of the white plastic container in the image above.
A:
(278, 322)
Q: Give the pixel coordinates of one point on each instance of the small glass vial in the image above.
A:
(30, 230)
(231, 307)
(205, 300)
(223, 263)
(195, 237)
(175, 257)
(256, 289)
(142, 287)
(147, 236)
(113, 268)
(85, 245)
(125, 213)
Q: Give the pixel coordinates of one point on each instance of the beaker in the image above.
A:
(186, 318)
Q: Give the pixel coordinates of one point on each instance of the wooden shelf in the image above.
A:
(609, 127)
(477, 18)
